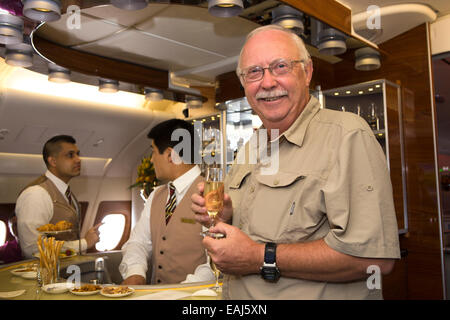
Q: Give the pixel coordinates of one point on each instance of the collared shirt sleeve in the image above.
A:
(359, 200)
(137, 250)
(34, 208)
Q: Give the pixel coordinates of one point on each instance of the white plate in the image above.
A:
(57, 287)
(11, 294)
(54, 233)
(118, 295)
(20, 271)
(84, 293)
(29, 275)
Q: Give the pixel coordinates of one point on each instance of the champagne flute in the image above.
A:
(213, 193)
(216, 271)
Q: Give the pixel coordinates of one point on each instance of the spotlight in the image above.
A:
(11, 29)
(367, 59)
(19, 55)
(108, 85)
(193, 102)
(58, 74)
(42, 10)
(331, 42)
(130, 4)
(225, 8)
(152, 94)
(288, 18)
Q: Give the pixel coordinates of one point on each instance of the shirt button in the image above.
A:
(252, 189)
(162, 252)
(159, 267)
(369, 188)
(159, 281)
(164, 238)
(276, 182)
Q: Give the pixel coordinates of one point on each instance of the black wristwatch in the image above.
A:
(269, 270)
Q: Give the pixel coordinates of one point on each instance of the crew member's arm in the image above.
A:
(138, 249)
(34, 208)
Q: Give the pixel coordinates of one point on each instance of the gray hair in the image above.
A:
(304, 54)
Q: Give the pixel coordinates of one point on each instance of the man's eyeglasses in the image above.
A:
(276, 68)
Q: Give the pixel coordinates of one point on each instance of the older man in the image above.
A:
(316, 227)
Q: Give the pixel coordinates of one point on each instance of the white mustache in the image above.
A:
(271, 94)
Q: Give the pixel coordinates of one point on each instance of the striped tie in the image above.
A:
(171, 203)
(69, 197)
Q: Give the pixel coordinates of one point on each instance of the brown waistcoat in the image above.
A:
(177, 246)
(61, 209)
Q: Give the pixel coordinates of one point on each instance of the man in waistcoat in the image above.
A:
(167, 232)
(49, 199)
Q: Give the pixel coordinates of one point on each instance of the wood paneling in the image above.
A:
(406, 63)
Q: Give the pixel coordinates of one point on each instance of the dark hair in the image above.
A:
(53, 146)
(162, 137)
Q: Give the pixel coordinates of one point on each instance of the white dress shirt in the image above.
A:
(34, 208)
(138, 249)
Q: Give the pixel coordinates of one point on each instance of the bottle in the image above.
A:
(372, 118)
(358, 110)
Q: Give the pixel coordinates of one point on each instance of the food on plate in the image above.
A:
(59, 226)
(67, 253)
(116, 290)
(87, 288)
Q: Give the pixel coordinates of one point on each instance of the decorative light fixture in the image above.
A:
(225, 8)
(130, 4)
(108, 85)
(367, 59)
(19, 55)
(193, 102)
(331, 42)
(42, 10)
(58, 74)
(152, 94)
(11, 29)
(288, 18)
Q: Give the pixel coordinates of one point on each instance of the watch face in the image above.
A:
(270, 273)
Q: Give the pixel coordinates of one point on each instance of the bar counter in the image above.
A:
(10, 282)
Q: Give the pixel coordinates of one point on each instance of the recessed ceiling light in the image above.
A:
(58, 74)
(108, 85)
(42, 10)
(336, 93)
(225, 8)
(360, 92)
(19, 55)
(367, 59)
(370, 89)
(130, 4)
(11, 29)
(348, 92)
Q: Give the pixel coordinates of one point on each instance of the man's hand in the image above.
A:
(198, 206)
(134, 280)
(236, 253)
(93, 235)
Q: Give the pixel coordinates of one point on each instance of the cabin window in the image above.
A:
(3, 232)
(111, 231)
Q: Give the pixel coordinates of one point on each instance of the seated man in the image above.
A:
(167, 231)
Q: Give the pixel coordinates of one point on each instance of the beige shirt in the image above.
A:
(332, 183)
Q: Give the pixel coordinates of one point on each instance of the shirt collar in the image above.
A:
(184, 181)
(296, 132)
(60, 185)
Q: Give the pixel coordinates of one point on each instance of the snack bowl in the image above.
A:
(57, 288)
(86, 290)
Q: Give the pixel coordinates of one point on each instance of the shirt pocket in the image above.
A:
(276, 207)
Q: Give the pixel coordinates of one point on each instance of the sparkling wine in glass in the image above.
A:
(213, 193)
